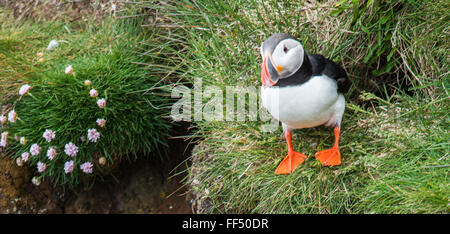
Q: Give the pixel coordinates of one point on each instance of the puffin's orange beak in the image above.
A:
(269, 76)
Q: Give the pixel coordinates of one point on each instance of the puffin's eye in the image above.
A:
(285, 49)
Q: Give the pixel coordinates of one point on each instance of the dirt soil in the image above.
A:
(144, 186)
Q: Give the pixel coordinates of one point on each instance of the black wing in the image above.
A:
(321, 65)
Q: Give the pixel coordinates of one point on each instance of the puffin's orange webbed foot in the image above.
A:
(293, 158)
(292, 161)
(329, 157)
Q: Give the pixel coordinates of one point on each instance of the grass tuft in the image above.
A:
(109, 55)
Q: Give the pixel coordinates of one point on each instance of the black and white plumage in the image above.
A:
(301, 90)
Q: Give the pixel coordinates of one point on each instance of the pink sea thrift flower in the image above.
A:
(71, 149)
(36, 181)
(69, 70)
(87, 82)
(35, 149)
(41, 167)
(101, 122)
(93, 135)
(4, 139)
(51, 153)
(22, 140)
(19, 161)
(25, 156)
(49, 135)
(68, 166)
(93, 93)
(101, 103)
(86, 167)
(2, 119)
(12, 116)
(24, 89)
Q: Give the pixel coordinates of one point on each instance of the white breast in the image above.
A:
(311, 104)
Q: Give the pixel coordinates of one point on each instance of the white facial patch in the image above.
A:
(289, 54)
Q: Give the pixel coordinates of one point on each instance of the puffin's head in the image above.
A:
(282, 56)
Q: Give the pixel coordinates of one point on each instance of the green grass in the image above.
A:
(394, 146)
(108, 54)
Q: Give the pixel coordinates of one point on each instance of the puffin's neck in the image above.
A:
(302, 75)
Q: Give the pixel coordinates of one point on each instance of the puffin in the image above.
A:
(302, 91)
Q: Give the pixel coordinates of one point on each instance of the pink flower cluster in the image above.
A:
(22, 141)
(93, 93)
(19, 161)
(101, 103)
(36, 181)
(86, 167)
(25, 156)
(2, 119)
(24, 89)
(35, 149)
(71, 149)
(101, 122)
(12, 116)
(51, 153)
(93, 135)
(41, 167)
(3, 143)
(49, 135)
(68, 166)
(4, 139)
